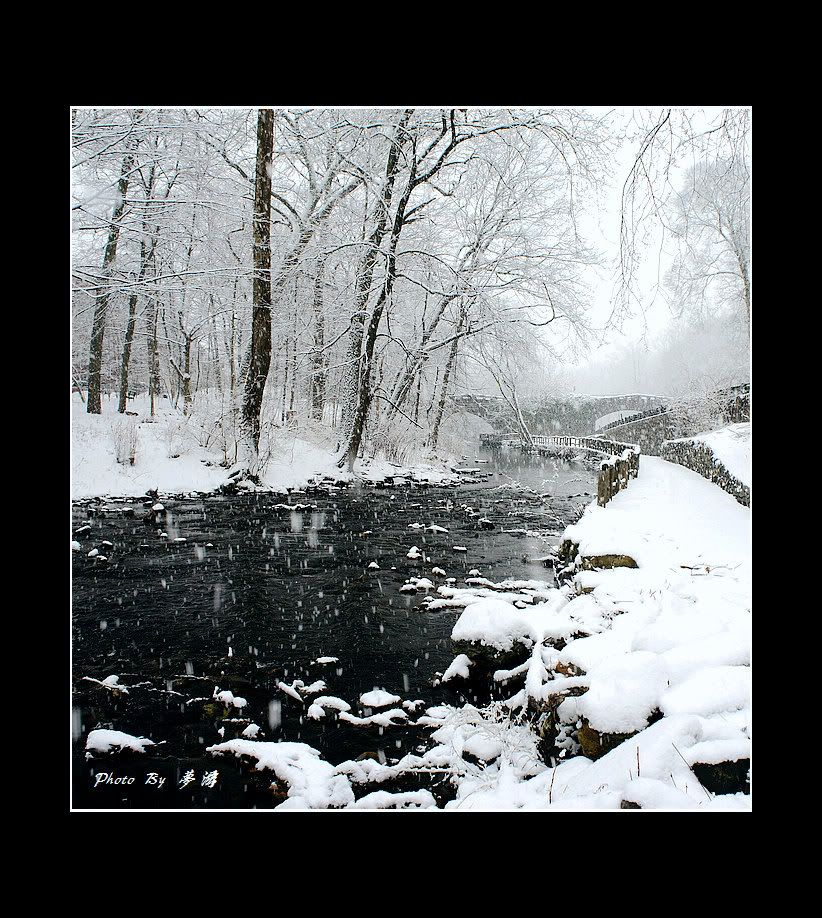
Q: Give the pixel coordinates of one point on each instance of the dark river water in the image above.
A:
(256, 593)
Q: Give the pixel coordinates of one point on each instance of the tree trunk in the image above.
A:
(153, 355)
(232, 358)
(364, 390)
(452, 356)
(214, 357)
(286, 367)
(260, 354)
(186, 381)
(351, 382)
(173, 386)
(98, 328)
(293, 392)
(363, 396)
(318, 361)
(746, 289)
(130, 326)
(524, 432)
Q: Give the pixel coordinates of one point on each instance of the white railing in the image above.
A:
(615, 472)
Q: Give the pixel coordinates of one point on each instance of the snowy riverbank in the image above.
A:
(636, 678)
(626, 687)
(175, 454)
(645, 669)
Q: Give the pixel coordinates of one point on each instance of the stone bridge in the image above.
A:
(654, 421)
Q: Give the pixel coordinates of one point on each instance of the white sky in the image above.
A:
(602, 230)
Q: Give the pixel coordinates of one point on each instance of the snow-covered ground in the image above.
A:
(667, 517)
(167, 457)
(171, 458)
(732, 446)
(665, 658)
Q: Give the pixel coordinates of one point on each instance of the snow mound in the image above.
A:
(106, 740)
(459, 668)
(383, 719)
(711, 690)
(331, 701)
(312, 782)
(624, 692)
(378, 698)
(383, 800)
(494, 623)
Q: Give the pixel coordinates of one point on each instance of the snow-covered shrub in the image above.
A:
(705, 403)
(400, 444)
(126, 437)
(180, 435)
(216, 427)
(490, 733)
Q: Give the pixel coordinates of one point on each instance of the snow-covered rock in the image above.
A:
(332, 702)
(459, 668)
(383, 800)
(312, 782)
(624, 691)
(378, 698)
(108, 740)
(383, 719)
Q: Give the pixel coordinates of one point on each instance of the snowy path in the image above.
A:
(668, 517)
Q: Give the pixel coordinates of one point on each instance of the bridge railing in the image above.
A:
(615, 472)
(636, 416)
(733, 400)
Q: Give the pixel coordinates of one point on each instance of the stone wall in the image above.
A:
(738, 409)
(700, 458)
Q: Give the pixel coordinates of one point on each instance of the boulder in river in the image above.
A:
(491, 658)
